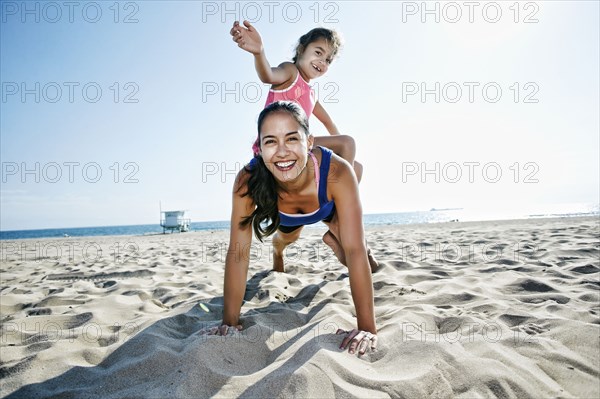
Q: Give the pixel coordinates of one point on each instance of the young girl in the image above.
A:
(316, 50)
(281, 187)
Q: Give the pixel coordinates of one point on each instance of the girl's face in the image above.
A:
(315, 59)
(284, 146)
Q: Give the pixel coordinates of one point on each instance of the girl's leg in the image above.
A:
(358, 170)
(343, 146)
(280, 241)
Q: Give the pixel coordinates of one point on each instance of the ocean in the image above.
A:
(399, 218)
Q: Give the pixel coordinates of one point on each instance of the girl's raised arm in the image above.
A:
(237, 260)
(248, 38)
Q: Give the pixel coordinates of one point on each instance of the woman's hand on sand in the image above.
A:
(222, 330)
(358, 339)
(246, 37)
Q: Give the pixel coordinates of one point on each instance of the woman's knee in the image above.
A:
(286, 238)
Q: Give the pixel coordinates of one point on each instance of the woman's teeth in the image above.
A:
(285, 165)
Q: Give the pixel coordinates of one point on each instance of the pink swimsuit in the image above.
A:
(299, 92)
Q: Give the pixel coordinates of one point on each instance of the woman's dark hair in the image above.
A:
(332, 37)
(263, 188)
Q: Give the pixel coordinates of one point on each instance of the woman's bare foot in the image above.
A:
(372, 261)
(280, 241)
(336, 247)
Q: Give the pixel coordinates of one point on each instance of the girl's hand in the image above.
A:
(358, 339)
(222, 330)
(247, 37)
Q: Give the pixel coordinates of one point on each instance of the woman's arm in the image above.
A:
(248, 38)
(344, 188)
(237, 260)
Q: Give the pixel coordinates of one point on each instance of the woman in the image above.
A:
(278, 192)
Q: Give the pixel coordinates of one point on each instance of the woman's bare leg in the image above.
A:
(280, 241)
(331, 238)
(372, 261)
(333, 243)
(345, 147)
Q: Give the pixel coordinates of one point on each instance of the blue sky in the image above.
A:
(176, 113)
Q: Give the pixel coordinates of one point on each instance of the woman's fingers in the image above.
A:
(362, 346)
(374, 343)
(358, 340)
(223, 329)
(355, 341)
(349, 338)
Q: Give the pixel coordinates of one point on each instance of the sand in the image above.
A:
(465, 310)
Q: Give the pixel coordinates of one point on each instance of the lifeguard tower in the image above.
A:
(174, 220)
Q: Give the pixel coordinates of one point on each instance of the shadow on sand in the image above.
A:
(171, 359)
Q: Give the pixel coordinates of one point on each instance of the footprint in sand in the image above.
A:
(262, 294)
(533, 329)
(39, 312)
(281, 297)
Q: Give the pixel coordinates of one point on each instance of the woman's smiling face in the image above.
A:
(284, 146)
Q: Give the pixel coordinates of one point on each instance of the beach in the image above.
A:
(497, 309)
